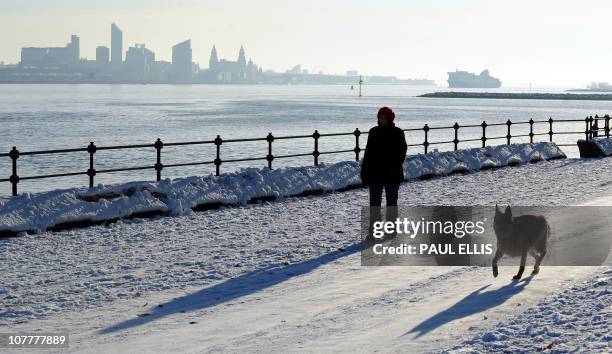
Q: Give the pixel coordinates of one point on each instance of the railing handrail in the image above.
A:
(591, 130)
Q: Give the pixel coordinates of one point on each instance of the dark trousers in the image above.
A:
(391, 212)
(391, 192)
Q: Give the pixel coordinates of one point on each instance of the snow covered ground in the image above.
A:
(285, 276)
(575, 320)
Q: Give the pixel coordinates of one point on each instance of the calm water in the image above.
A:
(35, 117)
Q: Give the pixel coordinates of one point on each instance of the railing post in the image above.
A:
(586, 128)
(315, 152)
(91, 172)
(508, 136)
(217, 161)
(357, 149)
(456, 140)
(14, 179)
(550, 129)
(484, 133)
(531, 130)
(270, 157)
(607, 125)
(426, 143)
(158, 165)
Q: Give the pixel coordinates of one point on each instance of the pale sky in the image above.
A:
(545, 42)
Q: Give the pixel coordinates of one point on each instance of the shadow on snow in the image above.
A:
(233, 288)
(477, 301)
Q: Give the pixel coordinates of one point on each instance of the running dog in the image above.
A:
(517, 236)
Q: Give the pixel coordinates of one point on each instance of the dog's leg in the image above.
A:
(522, 267)
(498, 255)
(536, 268)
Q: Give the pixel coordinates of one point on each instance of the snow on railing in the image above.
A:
(79, 207)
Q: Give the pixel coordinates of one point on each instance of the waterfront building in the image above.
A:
(62, 57)
(182, 63)
(226, 71)
(102, 58)
(116, 49)
(139, 62)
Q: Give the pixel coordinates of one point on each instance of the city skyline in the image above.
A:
(140, 65)
(116, 55)
(520, 42)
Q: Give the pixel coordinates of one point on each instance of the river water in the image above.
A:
(41, 117)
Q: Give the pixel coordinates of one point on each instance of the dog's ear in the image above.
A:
(497, 209)
(508, 212)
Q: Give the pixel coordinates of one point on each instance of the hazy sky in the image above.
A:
(548, 43)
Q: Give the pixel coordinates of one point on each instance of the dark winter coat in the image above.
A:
(384, 156)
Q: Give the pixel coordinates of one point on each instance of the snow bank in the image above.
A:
(448, 162)
(604, 144)
(575, 320)
(75, 207)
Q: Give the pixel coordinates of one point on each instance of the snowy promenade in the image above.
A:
(285, 276)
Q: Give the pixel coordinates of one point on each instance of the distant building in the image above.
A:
(116, 48)
(214, 59)
(352, 73)
(182, 63)
(161, 72)
(296, 69)
(64, 57)
(139, 62)
(225, 71)
(102, 57)
(74, 49)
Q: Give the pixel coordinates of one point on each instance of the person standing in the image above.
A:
(383, 161)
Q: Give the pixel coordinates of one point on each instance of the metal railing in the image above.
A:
(591, 130)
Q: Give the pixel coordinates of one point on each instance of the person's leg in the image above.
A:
(375, 202)
(391, 193)
(376, 194)
(391, 212)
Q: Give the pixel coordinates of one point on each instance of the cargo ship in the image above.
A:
(466, 79)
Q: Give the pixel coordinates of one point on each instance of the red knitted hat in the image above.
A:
(387, 112)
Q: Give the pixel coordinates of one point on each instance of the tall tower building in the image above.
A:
(242, 66)
(214, 59)
(74, 48)
(116, 47)
(182, 62)
(241, 57)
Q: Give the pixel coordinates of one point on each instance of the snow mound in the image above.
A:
(575, 320)
(604, 144)
(75, 207)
